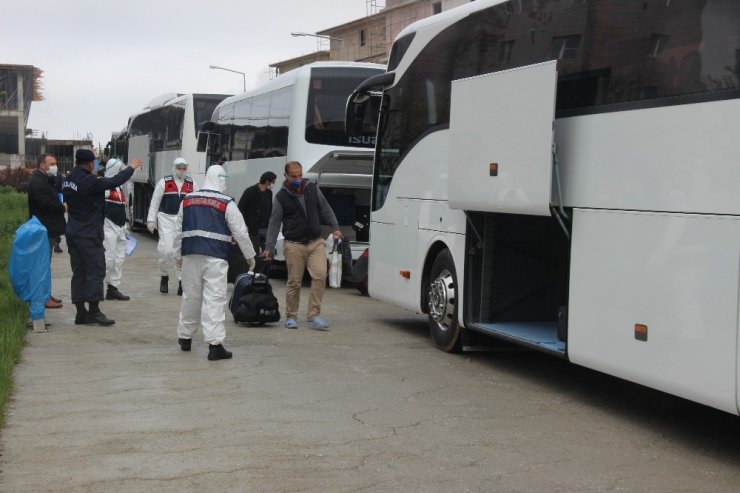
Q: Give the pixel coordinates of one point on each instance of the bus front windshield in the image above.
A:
(203, 106)
(327, 98)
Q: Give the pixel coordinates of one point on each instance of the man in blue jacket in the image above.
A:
(84, 193)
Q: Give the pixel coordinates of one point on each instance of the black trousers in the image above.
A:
(87, 258)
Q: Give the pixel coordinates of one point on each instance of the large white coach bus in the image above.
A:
(564, 175)
(299, 116)
(165, 129)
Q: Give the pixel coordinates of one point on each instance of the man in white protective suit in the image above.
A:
(168, 194)
(206, 222)
(115, 231)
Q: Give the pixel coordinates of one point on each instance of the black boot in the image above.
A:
(179, 288)
(114, 294)
(217, 352)
(164, 284)
(184, 343)
(95, 316)
(81, 317)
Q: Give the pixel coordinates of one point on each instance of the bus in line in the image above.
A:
(563, 175)
(299, 116)
(165, 129)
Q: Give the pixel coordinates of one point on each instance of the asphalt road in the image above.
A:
(370, 405)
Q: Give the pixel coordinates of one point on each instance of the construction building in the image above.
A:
(368, 39)
(19, 86)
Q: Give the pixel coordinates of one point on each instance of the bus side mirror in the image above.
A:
(202, 141)
(355, 113)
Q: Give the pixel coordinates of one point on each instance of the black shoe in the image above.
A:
(98, 318)
(217, 352)
(179, 288)
(163, 284)
(114, 294)
(184, 343)
(81, 317)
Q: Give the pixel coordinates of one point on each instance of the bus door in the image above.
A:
(501, 141)
(138, 148)
(501, 138)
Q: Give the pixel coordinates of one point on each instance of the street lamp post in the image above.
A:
(244, 77)
(321, 36)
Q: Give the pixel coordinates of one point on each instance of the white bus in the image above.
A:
(564, 175)
(299, 116)
(165, 129)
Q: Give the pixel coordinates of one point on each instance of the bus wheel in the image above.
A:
(443, 303)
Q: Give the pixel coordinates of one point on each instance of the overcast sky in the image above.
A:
(104, 60)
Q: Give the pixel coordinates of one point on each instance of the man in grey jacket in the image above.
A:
(297, 206)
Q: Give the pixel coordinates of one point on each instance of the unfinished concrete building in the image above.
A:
(19, 86)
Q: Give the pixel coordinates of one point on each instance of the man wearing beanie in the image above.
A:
(84, 193)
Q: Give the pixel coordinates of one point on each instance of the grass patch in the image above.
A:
(13, 312)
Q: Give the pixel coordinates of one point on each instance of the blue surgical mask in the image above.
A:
(297, 183)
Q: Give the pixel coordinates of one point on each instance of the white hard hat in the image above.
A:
(180, 162)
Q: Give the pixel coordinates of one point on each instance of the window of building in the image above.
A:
(565, 47)
(436, 8)
(506, 48)
(658, 43)
(362, 37)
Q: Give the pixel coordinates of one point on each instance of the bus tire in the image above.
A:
(443, 304)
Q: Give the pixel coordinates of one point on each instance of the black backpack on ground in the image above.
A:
(252, 301)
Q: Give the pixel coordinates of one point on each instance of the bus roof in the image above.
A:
(286, 79)
(447, 16)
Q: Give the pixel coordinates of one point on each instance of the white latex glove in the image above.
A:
(251, 263)
(150, 226)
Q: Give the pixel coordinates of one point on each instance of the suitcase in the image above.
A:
(252, 301)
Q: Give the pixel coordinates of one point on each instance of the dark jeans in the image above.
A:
(87, 258)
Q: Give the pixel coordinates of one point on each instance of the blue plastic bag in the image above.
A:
(30, 268)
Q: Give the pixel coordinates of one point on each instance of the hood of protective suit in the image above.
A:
(113, 167)
(215, 178)
(180, 175)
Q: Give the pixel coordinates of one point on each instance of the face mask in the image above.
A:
(297, 183)
(52, 170)
(180, 173)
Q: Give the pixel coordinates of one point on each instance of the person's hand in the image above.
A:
(151, 226)
(252, 263)
(267, 255)
(136, 163)
(178, 264)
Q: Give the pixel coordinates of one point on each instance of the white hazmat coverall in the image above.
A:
(114, 239)
(204, 277)
(165, 224)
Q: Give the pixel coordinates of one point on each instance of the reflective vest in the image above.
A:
(204, 228)
(115, 206)
(172, 197)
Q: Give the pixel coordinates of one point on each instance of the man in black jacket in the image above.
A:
(255, 205)
(84, 194)
(44, 203)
